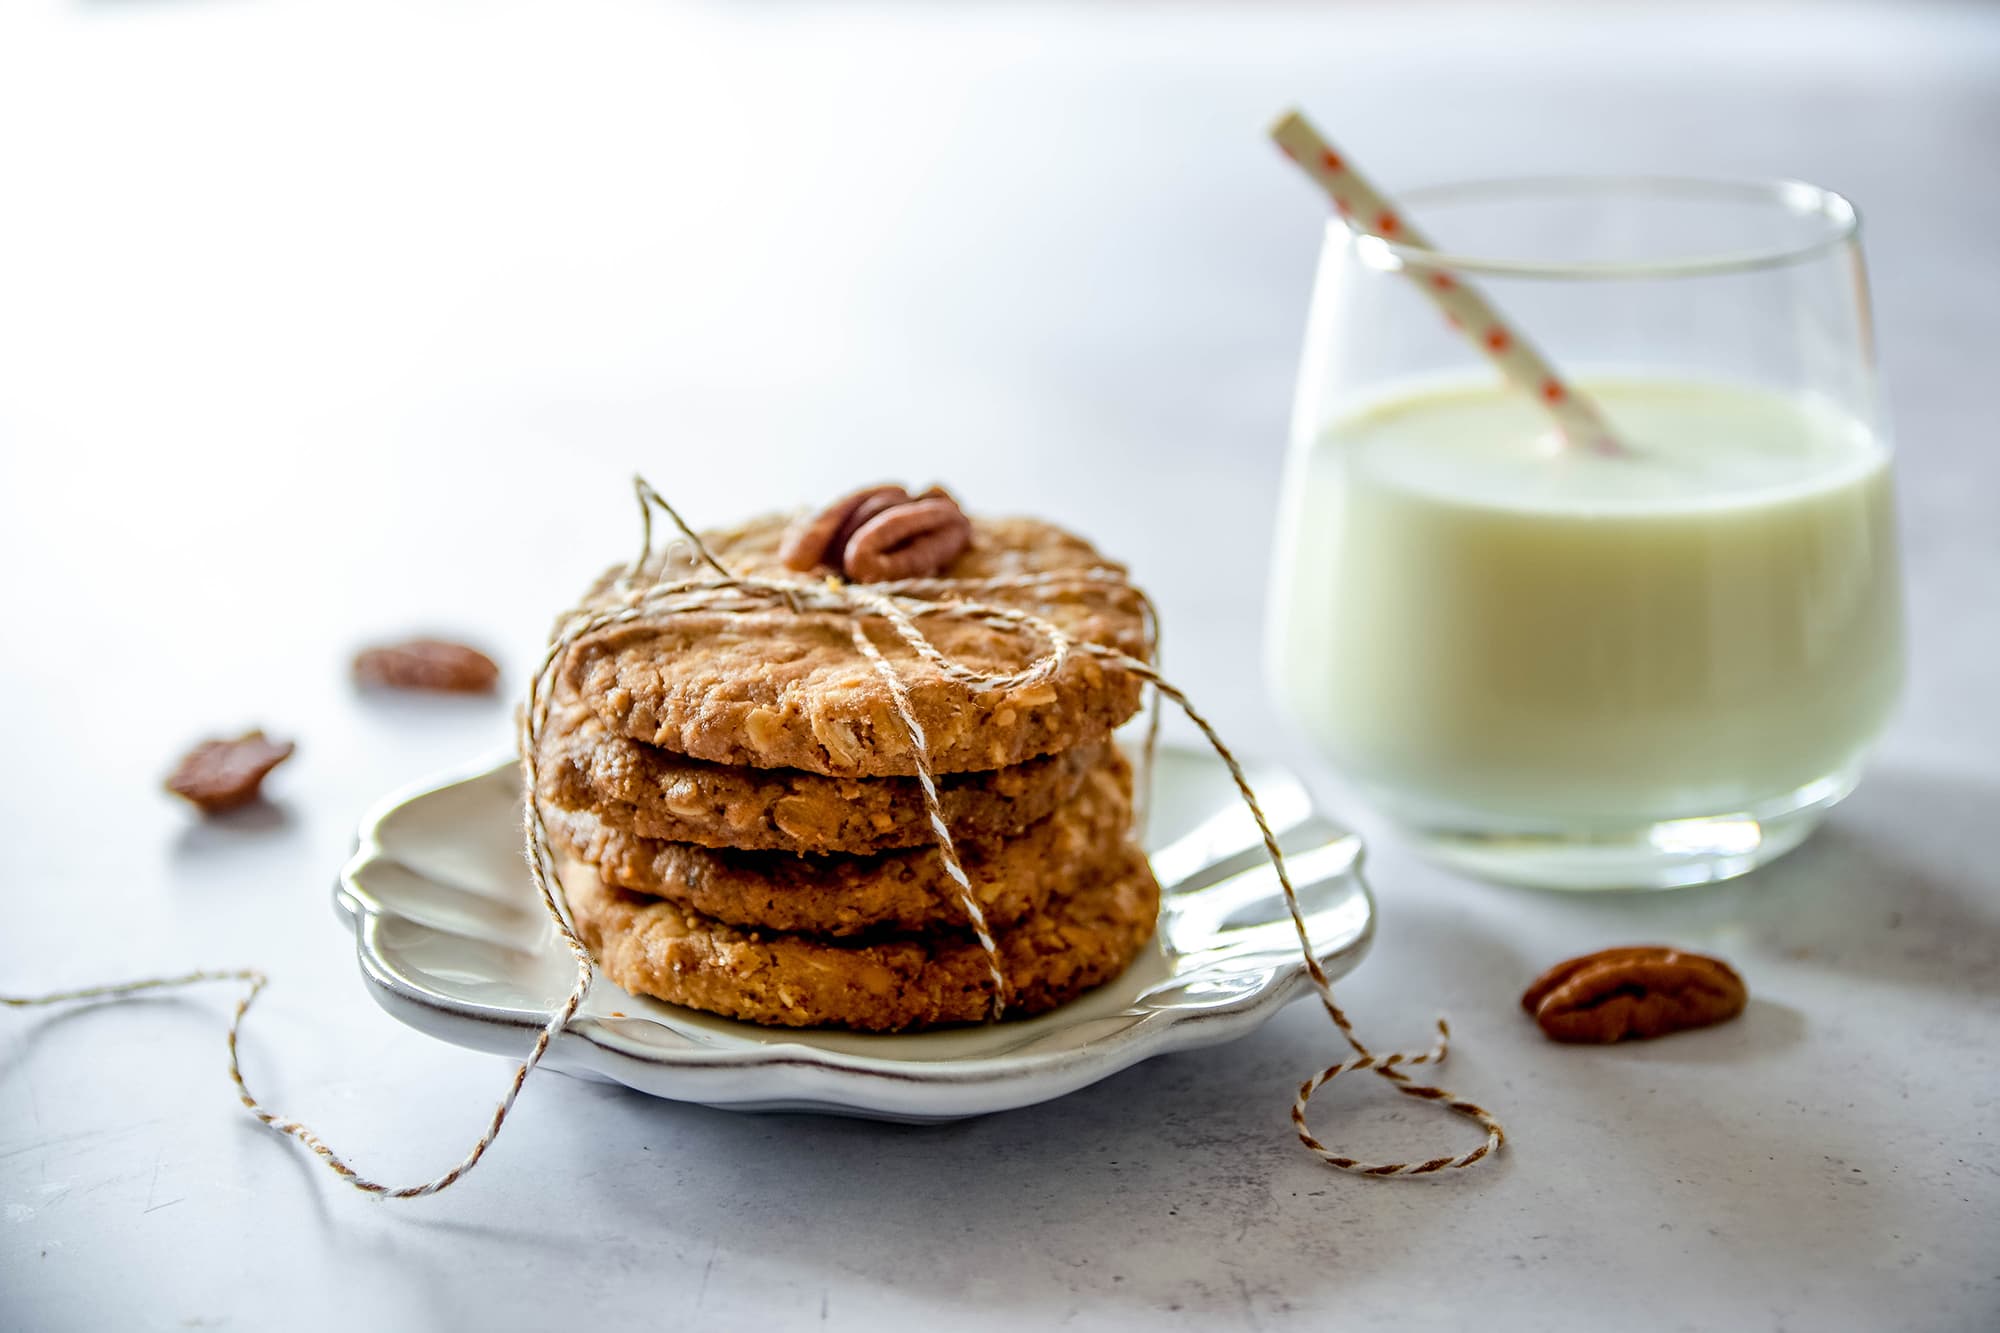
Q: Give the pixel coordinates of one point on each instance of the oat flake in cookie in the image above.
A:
(772, 689)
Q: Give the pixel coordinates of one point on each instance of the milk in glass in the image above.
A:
(1483, 626)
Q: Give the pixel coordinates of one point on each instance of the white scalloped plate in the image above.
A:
(453, 942)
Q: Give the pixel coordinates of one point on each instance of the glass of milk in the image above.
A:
(1552, 665)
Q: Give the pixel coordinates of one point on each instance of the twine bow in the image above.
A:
(901, 606)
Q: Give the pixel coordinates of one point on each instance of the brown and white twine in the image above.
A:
(900, 605)
(968, 901)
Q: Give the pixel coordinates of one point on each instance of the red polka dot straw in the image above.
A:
(1464, 307)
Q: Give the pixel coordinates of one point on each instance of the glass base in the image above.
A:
(1671, 854)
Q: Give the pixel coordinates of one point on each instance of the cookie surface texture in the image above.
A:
(778, 689)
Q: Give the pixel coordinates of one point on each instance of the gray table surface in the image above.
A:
(324, 322)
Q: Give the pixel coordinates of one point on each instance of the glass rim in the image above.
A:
(1799, 198)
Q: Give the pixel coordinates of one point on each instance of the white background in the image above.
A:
(321, 323)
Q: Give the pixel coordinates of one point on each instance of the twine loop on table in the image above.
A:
(901, 605)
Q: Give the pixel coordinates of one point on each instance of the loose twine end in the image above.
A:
(901, 606)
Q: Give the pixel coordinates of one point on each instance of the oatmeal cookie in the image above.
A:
(772, 689)
(906, 891)
(658, 948)
(642, 789)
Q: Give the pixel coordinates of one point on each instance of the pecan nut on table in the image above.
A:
(222, 775)
(1635, 992)
(427, 664)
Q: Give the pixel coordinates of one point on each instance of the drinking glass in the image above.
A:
(1561, 666)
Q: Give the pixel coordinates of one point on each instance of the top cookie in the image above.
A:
(774, 689)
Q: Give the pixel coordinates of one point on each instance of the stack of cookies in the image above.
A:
(732, 793)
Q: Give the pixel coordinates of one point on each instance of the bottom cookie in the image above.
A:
(653, 947)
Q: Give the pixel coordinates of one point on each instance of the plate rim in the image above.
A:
(1152, 1033)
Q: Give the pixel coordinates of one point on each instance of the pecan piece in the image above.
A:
(427, 664)
(908, 541)
(220, 775)
(818, 539)
(1638, 991)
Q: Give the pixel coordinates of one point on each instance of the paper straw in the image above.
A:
(1370, 211)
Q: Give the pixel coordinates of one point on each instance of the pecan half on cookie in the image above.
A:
(880, 533)
(819, 539)
(907, 541)
(1639, 991)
